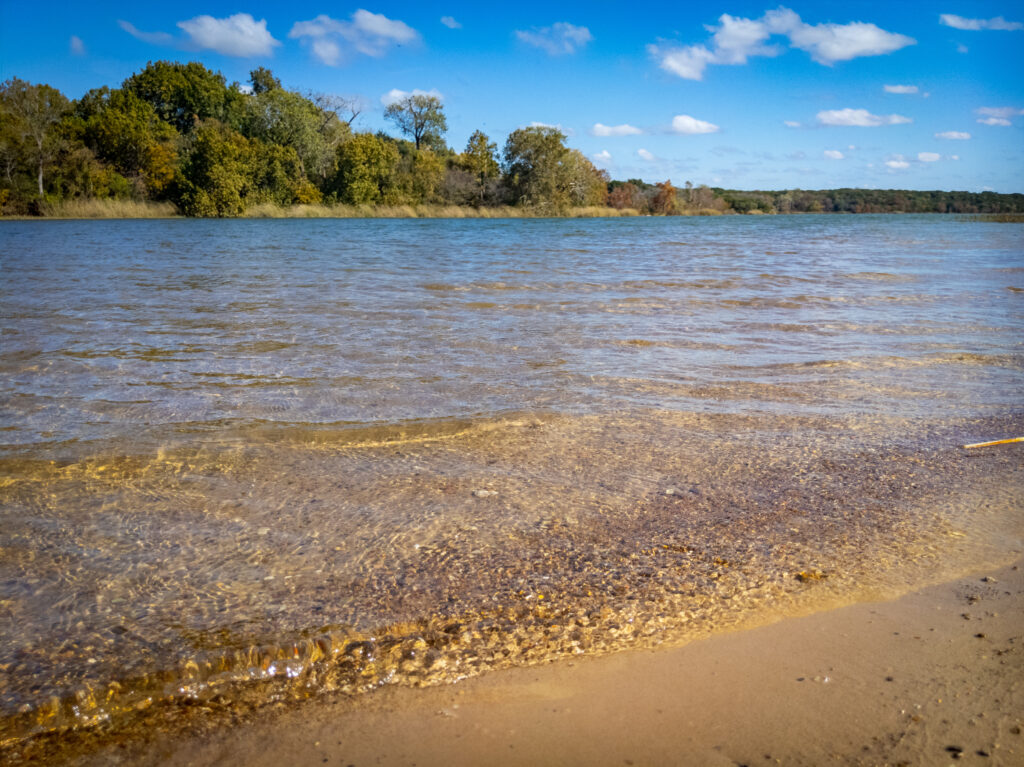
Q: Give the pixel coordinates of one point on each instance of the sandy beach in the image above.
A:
(934, 677)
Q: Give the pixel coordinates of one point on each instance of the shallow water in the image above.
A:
(312, 455)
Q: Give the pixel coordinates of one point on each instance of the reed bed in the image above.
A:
(270, 210)
(107, 208)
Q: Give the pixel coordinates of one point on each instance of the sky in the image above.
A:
(732, 93)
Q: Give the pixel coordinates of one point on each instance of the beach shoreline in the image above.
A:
(933, 677)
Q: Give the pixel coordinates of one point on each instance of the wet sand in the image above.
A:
(934, 677)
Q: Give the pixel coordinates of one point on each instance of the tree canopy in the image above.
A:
(420, 117)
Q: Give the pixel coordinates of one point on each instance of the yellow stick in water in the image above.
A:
(995, 442)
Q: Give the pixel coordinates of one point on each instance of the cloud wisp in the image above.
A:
(977, 25)
(954, 135)
(395, 95)
(859, 118)
(366, 33)
(734, 40)
(646, 156)
(560, 39)
(902, 89)
(600, 129)
(76, 46)
(834, 154)
(450, 22)
(239, 35)
(928, 156)
(998, 115)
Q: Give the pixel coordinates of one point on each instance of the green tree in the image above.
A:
(33, 113)
(419, 116)
(263, 80)
(366, 169)
(481, 157)
(277, 116)
(125, 131)
(533, 166)
(184, 94)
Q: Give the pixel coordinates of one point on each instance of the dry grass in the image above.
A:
(109, 209)
(418, 211)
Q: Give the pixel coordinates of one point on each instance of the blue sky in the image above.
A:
(748, 95)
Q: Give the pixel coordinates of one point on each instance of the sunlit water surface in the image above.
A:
(314, 455)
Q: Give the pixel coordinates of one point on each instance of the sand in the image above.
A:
(935, 677)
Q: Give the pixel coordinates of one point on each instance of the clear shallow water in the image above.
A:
(330, 454)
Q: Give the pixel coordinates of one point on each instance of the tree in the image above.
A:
(419, 116)
(33, 112)
(534, 158)
(366, 169)
(277, 116)
(125, 131)
(480, 157)
(263, 80)
(664, 201)
(184, 94)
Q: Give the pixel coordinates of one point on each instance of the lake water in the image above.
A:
(251, 460)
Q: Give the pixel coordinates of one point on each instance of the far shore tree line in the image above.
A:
(179, 133)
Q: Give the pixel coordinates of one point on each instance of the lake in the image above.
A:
(247, 460)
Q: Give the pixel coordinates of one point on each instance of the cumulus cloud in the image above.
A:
(834, 154)
(558, 39)
(928, 157)
(897, 163)
(860, 118)
(691, 125)
(955, 135)
(643, 154)
(997, 115)
(604, 157)
(735, 39)
(395, 95)
(450, 22)
(900, 89)
(975, 25)
(615, 130)
(238, 35)
(76, 46)
(371, 34)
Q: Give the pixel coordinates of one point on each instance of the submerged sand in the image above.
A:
(934, 677)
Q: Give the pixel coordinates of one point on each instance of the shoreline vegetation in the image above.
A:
(177, 140)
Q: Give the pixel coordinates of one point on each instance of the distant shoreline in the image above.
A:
(83, 210)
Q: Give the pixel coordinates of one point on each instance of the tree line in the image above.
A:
(180, 133)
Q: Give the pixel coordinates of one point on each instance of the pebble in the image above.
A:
(484, 493)
(263, 531)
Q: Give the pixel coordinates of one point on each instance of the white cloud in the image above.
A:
(861, 118)
(615, 130)
(643, 154)
(691, 125)
(998, 115)
(954, 157)
(371, 34)
(975, 25)
(961, 48)
(395, 95)
(154, 38)
(834, 154)
(955, 135)
(898, 163)
(736, 39)
(558, 39)
(450, 22)
(792, 124)
(76, 46)
(557, 126)
(900, 88)
(928, 156)
(238, 35)
(604, 157)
